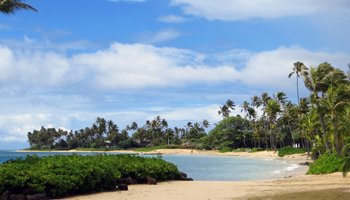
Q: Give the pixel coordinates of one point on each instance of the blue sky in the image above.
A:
(131, 60)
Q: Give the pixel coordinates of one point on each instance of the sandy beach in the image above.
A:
(332, 185)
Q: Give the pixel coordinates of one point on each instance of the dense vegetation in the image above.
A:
(58, 176)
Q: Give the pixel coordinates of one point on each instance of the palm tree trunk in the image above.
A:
(298, 90)
(336, 138)
(323, 127)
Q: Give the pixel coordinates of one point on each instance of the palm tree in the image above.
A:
(245, 107)
(10, 6)
(315, 83)
(205, 123)
(336, 100)
(227, 108)
(265, 98)
(272, 110)
(300, 70)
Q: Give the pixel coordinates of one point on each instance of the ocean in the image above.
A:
(203, 167)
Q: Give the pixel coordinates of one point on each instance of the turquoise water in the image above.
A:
(203, 167)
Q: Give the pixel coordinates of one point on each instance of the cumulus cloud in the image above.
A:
(15, 128)
(270, 68)
(138, 66)
(121, 66)
(242, 9)
(171, 19)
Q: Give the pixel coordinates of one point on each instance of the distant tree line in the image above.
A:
(106, 134)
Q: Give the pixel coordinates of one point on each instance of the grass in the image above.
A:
(290, 151)
(170, 146)
(249, 150)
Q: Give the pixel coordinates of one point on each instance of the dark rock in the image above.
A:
(122, 187)
(17, 197)
(189, 179)
(183, 176)
(127, 181)
(5, 195)
(36, 197)
(29, 191)
(304, 163)
(151, 181)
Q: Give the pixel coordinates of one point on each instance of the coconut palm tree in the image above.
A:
(244, 108)
(300, 70)
(10, 6)
(272, 111)
(226, 109)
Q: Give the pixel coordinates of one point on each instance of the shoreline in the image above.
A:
(259, 154)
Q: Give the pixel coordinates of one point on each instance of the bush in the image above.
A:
(327, 163)
(290, 151)
(225, 149)
(59, 176)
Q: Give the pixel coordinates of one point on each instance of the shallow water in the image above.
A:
(202, 167)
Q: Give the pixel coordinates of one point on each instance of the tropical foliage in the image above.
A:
(59, 176)
(327, 163)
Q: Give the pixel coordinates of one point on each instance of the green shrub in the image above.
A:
(290, 151)
(327, 163)
(59, 176)
(225, 149)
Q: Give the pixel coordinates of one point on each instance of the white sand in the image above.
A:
(213, 190)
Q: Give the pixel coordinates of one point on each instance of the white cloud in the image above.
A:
(135, 66)
(158, 37)
(15, 128)
(140, 66)
(270, 69)
(171, 19)
(243, 9)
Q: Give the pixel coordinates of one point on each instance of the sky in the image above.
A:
(131, 60)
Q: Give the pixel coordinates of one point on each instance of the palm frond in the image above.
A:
(10, 6)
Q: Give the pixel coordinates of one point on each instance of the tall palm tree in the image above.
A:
(227, 108)
(300, 70)
(244, 108)
(265, 98)
(10, 6)
(272, 111)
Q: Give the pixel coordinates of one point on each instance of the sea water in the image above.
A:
(202, 167)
